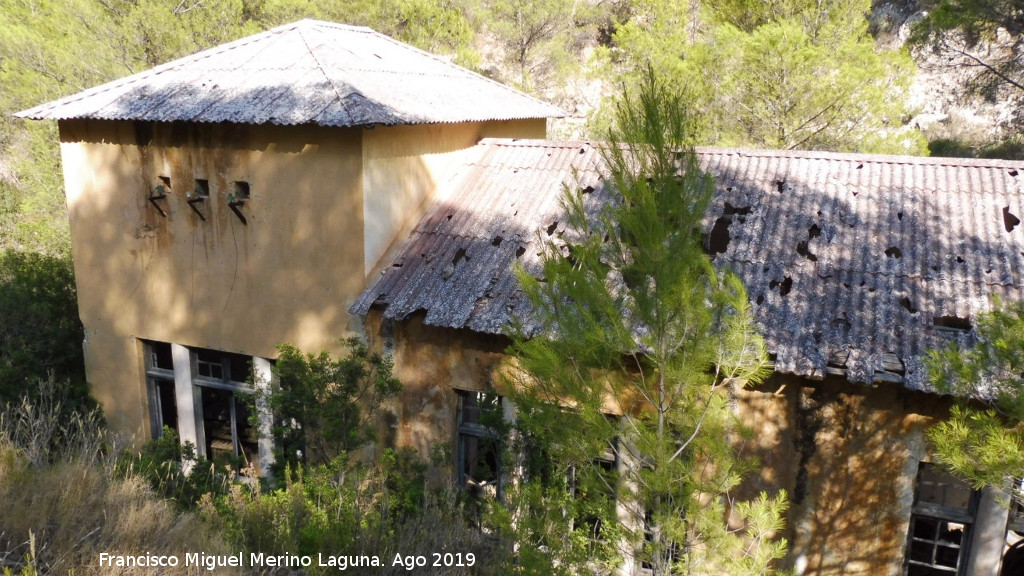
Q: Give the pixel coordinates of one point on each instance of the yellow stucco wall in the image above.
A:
(288, 274)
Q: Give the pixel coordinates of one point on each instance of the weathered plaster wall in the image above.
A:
(847, 455)
(433, 363)
(405, 166)
(288, 275)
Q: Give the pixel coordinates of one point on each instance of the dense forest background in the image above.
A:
(810, 74)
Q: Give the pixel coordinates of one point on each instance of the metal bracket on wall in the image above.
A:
(235, 205)
(192, 204)
(158, 193)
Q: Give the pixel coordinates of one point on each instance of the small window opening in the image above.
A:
(202, 189)
(241, 191)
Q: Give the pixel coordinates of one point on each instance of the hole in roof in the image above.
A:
(588, 190)
(450, 216)
(166, 181)
(954, 322)
(813, 232)
(552, 227)
(520, 251)
(893, 252)
(899, 216)
(780, 186)
(396, 265)
(583, 150)
(1010, 220)
(729, 188)
(784, 287)
(460, 255)
(960, 260)
(760, 299)
(497, 241)
(1013, 173)
(908, 305)
(935, 267)
(729, 210)
(859, 166)
(846, 285)
(718, 241)
(801, 249)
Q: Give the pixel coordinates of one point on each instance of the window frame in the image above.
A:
(941, 515)
(475, 430)
(226, 383)
(156, 374)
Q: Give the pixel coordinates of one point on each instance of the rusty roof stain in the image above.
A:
(855, 264)
(307, 72)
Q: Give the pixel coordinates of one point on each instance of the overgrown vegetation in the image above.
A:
(64, 502)
(322, 406)
(983, 440)
(637, 321)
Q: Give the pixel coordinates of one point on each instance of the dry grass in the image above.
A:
(63, 504)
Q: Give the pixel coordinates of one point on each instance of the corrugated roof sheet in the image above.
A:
(308, 72)
(854, 264)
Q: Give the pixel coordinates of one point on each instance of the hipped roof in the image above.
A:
(308, 72)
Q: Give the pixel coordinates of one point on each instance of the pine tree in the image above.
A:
(637, 322)
(984, 445)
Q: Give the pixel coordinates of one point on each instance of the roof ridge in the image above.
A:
(772, 153)
(323, 72)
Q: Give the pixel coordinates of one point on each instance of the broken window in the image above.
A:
(478, 452)
(940, 524)
(223, 405)
(160, 387)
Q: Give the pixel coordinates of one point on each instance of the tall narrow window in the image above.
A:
(163, 410)
(940, 525)
(223, 405)
(478, 457)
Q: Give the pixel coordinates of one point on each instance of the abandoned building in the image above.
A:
(320, 180)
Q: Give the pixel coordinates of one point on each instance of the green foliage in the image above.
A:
(65, 501)
(175, 472)
(786, 74)
(636, 319)
(324, 406)
(957, 29)
(983, 446)
(40, 335)
(539, 39)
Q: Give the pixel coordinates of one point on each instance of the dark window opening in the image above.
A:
(202, 189)
(229, 436)
(940, 525)
(241, 193)
(163, 409)
(478, 455)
